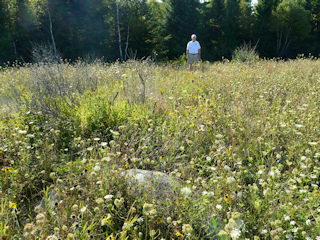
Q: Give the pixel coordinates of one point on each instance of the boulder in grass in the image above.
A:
(158, 185)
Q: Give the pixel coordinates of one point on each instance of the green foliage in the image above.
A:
(291, 21)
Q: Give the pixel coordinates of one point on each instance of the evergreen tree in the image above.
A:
(231, 27)
(5, 40)
(212, 29)
(182, 21)
(263, 31)
(314, 7)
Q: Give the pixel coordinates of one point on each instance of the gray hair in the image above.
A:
(193, 35)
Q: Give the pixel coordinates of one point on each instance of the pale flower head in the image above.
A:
(186, 191)
(187, 228)
(235, 233)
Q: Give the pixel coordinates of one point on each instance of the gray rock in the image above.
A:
(49, 200)
(158, 185)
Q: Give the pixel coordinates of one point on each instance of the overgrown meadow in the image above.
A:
(241, 139)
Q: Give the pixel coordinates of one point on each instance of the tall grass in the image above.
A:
(243, 139)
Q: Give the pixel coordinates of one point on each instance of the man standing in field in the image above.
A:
(193, 51)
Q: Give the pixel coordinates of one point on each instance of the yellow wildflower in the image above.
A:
(226, 198)
(111, 237)
(7, 169)
(12, 205)
(179, 234)
(159, 220)
(108, 220)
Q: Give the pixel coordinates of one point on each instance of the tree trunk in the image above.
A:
(118, 24)
(14, 48)
(53, 42)
(127, 43)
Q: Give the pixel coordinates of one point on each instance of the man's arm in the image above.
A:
(187, 53)
(199, 53)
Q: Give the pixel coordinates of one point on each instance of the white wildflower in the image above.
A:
(186, 191)
(218, 206)
(97, 168)
(235, 233)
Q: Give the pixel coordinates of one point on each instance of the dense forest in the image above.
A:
(90, 28)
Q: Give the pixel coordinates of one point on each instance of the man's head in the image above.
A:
(193, 37)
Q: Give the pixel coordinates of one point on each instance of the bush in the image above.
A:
(245, 53)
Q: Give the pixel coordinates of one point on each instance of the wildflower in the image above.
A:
(186, 228)
(286, 218)
(153, 212)
(312, 143)
(52, 175)
(264, 231)
(210, 194)
(108, 197)
(96, 210)
(292, 223)
(115, 133)
(152, 233)
(52, 237)
(28, 228)
(106, 159)
(70, 236)
(219, 136)
(103, 144)
(169, 219)
(140, 220)
(108, 219)
(97, 168)
(226, 198)
(111, 237)
(7, 169)
(118, 202)
(235, 233)
(308, 222)
(83, 210)
(96, 139)
(147, 207)
(99, 201)
(218, 206)
(40, 218)
(12, 205)
(159, 220)
(186, 191)
(178, 234)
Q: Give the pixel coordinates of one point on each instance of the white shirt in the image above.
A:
(193, 47)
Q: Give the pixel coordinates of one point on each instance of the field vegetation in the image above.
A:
(242, 138)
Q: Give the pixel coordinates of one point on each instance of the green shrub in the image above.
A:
(245, 53)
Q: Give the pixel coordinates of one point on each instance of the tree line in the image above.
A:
(115, 29)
